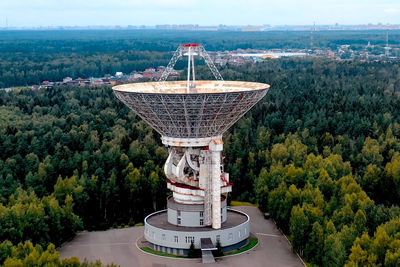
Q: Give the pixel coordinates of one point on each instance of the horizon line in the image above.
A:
(248, 27)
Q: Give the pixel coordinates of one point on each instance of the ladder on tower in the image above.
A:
(208, 192)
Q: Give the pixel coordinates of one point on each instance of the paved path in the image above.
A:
(119, 246)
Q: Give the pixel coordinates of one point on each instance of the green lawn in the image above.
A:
(152, 251)
(242, 203)
(251, 244)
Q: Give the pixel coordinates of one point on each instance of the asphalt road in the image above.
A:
(119, 246)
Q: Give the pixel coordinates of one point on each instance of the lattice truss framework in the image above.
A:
(191, 115)
(199, 50)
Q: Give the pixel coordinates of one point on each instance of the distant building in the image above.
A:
(80, 81)
(71, 83)
(96, 82)
(136, 76)
(174, 75)
(148, 73)
(115, 81)
(106, 80)
(67, 79)
(157, 75)
(47, 84)
(253, 28)
(161, 68)
(207, 28)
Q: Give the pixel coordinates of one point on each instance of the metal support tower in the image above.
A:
(191, 117)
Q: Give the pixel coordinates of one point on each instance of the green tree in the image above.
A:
(5, 250)
(315, 245)
(334, 251)
(192, 251)
(299, 229)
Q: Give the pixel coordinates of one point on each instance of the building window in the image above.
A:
(163, 236)
(201, 213)
(176, 239)
(218, 238)
(189, 239)
(201, 222)
(179, 221)
(179, 213)
(240, 234)
(230, 237)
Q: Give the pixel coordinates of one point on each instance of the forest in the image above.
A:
(30, 57)
(320, 153)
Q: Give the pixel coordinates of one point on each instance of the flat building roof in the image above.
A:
(160, 220)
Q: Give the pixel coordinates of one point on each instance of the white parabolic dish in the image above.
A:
(209, 112)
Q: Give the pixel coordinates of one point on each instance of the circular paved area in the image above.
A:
(119, 246)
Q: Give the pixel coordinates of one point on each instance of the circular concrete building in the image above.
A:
(166, 237)
(191, 117)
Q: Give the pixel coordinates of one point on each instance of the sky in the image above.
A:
(34, 13)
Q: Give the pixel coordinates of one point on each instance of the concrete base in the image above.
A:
(173, 239)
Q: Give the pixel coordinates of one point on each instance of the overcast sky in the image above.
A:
(32, 13)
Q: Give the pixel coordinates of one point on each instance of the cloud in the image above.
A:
(391, 11)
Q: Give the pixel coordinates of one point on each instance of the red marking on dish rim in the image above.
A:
(190, 45)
